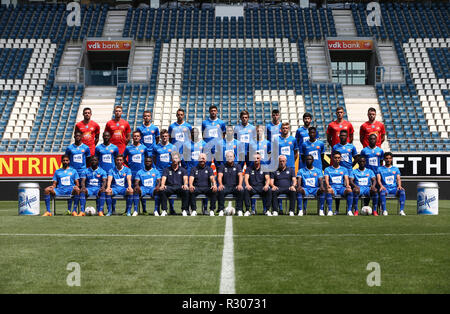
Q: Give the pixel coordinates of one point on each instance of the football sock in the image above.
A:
(109, 203)
(144, 205)
(157, 202)
(383, 200)
(349, 201)
(299, 201)
(136, 202)
(375, 201)
(355, 201)
(321, 201)
(337, 203)
(101, 202)
(76, 204)
(129, 202)
(402, 198)
(82, 202)
(329, 198)
(113, 205)
(47, 202)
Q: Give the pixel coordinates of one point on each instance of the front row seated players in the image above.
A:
(363, 182)
(119, 183)
(310, 182)
(202, 181)
(337, 183)
(390, 183)
(146, 182)
(65, 183)
(230, 181)
(174, 181)
(93, 182)
(283, 181)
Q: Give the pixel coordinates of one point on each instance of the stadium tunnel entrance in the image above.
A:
(106, 61)
(353, 61)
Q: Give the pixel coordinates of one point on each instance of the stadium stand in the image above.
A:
(256, 62)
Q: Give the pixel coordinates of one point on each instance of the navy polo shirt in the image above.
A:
(230, 174)
(174, 177)
(283, 179)
(201, 176)
(256, 177)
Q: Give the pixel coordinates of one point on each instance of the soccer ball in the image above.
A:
(366, 210)
(229, 210)
(90, 211)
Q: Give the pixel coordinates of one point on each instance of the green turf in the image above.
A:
(282, 254)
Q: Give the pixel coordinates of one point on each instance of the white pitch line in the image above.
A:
(227, 280)
(69, 235)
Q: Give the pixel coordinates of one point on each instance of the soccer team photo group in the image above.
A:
(237, 161)
(219, 155)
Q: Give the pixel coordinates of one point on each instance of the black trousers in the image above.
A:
(291, 194)
(203, 190)
(177, 190)
(265, 195)
(239, 195)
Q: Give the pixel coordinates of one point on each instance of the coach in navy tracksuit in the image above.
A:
(257, 182)
(202, 181)
(230, 181)
(175, 181)
(283, 181)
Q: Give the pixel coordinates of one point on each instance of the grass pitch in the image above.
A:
(283, 254)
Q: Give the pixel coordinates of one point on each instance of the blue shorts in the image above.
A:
(311, 191)
(364, 191)
(63, 191)
(338, 190)
(92, 190)
(119, 190)
(391, 190)
(146, 190)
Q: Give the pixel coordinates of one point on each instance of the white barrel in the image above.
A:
(29, 196)
(427, 198)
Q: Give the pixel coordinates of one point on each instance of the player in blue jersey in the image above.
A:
(348, 151)
(213, 127)
(262, 148)
(260, 145)
(310, 182)
(162, 159)
(106, 152)
(313, 147)
(135, 154)
(390, 183)
(78, 153)
(302, 134)
(273, 128)
(373, 154)
(192, 149)
(337, 183)
(180, 131)
(363, 181)
(65, 182)
(149, 132)
(229, 143)
(146, 182)
(245, 132)
(119, 183)
(287, 145)
(93, 182)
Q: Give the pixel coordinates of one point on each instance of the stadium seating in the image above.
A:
(256, 62)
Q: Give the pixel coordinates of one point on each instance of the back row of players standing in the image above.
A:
(218, 138)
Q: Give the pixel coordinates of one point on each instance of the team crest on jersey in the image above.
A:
(290, 143)
(315, 174)
(153, 131)
(153, 174)
(341, 172)
(393, 172)
(98, 176)
(318, 147)
(349, 150)
(142, 150)
(378, 154)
